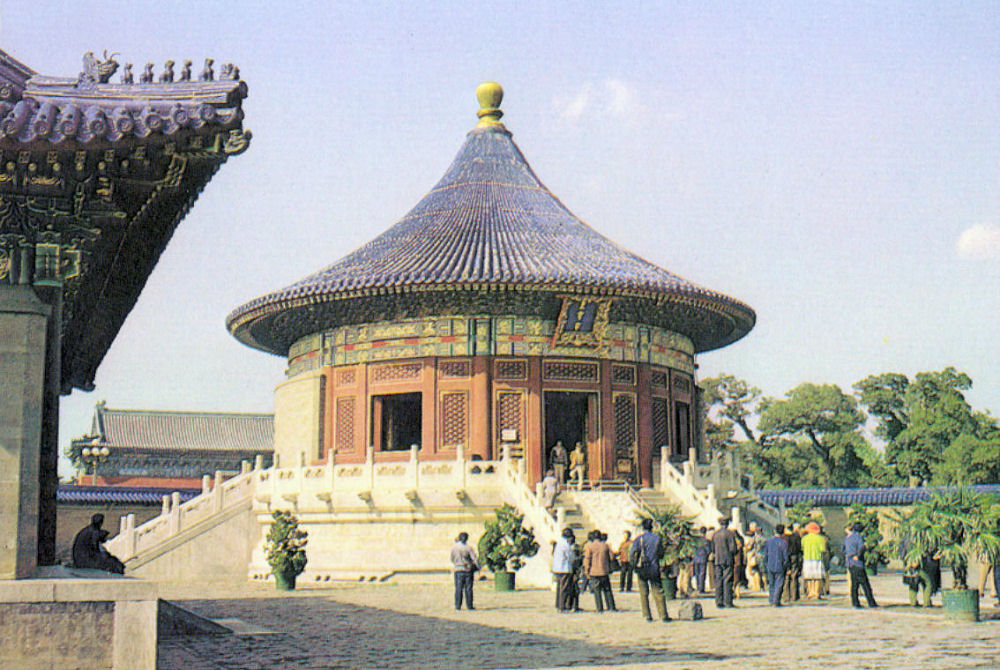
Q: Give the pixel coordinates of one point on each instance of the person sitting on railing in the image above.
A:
(550, 489)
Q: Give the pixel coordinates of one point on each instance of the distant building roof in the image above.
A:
(73, 494)
(863, 496)
(188, 431)
(489, 225)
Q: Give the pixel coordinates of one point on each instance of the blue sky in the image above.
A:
(835, 165)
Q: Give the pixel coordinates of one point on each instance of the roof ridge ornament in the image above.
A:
(490, 95)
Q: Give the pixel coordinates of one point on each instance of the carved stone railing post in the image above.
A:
(217, 492)
(329, 471)
(165, 510)
(130, 535)
(258, 462)
(460, 467)
(175, 513)
(560, 518)
(413, 475)
(370, 466)
(205, 484)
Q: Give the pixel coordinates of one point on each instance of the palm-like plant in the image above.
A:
(676, 532)
(954, 523)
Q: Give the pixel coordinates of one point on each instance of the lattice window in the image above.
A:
(517, 370)
(345, 424)
(570, 371)
(347, 377)
(658, 378)
(623, 374)
(390, 373)
(661, 425)
(624, 420)
(454, 418)
(682, 384)
(509, 409)
(454, 369)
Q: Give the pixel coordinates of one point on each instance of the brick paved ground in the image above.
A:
(415, 626)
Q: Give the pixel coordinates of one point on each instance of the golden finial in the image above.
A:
(489, 94)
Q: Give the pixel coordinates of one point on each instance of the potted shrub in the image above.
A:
(284, 549)
(876, 549)
(955, 523)
(504, 544)
(676, 533)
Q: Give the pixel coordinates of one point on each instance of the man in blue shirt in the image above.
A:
(647, 550)
(854, 553)
(775, 555)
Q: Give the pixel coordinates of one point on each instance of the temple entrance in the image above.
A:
(570, 417)
(396, 421)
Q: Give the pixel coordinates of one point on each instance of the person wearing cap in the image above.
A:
(563, 559)
(813, 549)
(854, 556)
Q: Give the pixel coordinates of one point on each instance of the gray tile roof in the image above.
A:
(490, 222)
(190, 431)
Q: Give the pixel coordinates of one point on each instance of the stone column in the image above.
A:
(22, 380)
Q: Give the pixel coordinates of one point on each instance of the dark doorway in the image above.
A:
(399, 417)
(565, 419)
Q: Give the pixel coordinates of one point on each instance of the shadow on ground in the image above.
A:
(322, 633)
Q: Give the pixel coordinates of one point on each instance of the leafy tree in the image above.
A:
(731, 401)
(931, 433)
(828, 423)
(802, 513)
(506, 541)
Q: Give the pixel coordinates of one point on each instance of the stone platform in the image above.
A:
(69, 618)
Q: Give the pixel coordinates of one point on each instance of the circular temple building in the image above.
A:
(490, 315)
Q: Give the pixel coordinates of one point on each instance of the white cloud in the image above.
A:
(611, 99)
(979, 243)
(576, 107)
(622, 99)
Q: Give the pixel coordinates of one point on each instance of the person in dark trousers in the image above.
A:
(854, 555)
(88, 552)
(775, 557)
(464, 564)
(723, 549)
(791, 589)
(625, 564)
(647, 550)
(563, 560)
(597, 564)
(700, 560)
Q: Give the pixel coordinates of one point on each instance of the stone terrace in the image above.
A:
(415, 626)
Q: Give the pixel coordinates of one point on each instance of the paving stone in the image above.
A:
(415, 626)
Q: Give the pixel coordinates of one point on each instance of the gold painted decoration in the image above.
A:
(583, 322)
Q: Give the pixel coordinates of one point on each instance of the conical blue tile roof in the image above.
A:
(489, 225)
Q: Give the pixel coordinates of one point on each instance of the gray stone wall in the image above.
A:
(62, 635)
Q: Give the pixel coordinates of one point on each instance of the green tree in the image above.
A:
(827, 422)
(730, 401)
(931, 434)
